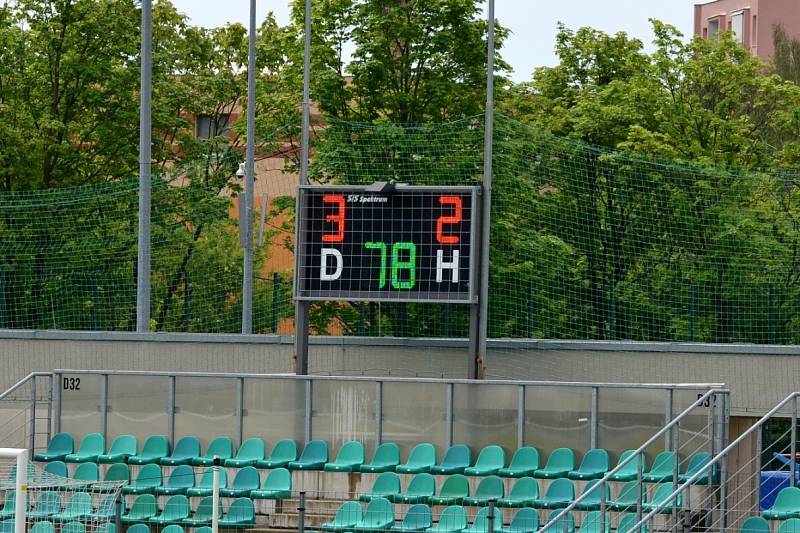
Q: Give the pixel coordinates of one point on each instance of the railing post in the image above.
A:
(32, 441)
(449, 414)
(521, 416)
(723, 477)
(603, 488)
(793, 444)
(639, 476)
(759, 445)
(594, 421)
(490, 518)
(301, 513)
(309, 407)
(378, 413)
(118, 511)
(676, 446)
(240, 410)
(215, 496)
(668, 419)
(171, 409)
(104, 406)
(57, 401)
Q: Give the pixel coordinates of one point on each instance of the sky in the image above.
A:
(532, 22)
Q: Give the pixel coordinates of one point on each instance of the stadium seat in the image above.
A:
(206, 485)
(421, 459)
(42, 527)
(283, 453)
(559, 494)
(185, 451)
(697, 463)
(123, 447)
(386, 485)
(221, 447)
(203, 514)
(146, 482)
(106, 527)
(791, 525)
(173, 528)
(61, 445)
(106, 511)
(630, 471)
(452, 520)
(661, 497)
(629, 520)
(73, 527)
(92, 446)
(455, 460)
(180, 480)
(349, 459)
(56, 468)
(385, 459)
(754, 524)
(663, 467)
(489, 462)
(594, 465)
(418, 518)
(379, 516)
(176, 510)
(138, 528)
(155, 448)
(314, 456)
(421, 487)
(787, 505)
(490, 488)
(347, 516)
(559, 526)
(250, 452)
(9, 505)
(523, 493)
(11, 479)
(119, 472)
(246, 480)
(204, 529)
(48, 504)
(78, 508)
(241, 514)
(143, 509)
(7, 526)
(593, 523)
(524, 462)
(277, 486)
(560, 463)
(454, 490)
(87, 472)
(525, 521)
(481, 522)
(592, 500)
(627, 498)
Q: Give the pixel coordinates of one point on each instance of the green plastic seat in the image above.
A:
(241, 515)
(385, 459)
(787, 505)
(594, 465)
(523, 493)
(204, 529)
(283, 453)
(454, 490)
(560, 463)
(246, 480)
(481, 522)
(73, 527)
(173, 528)
(184, 452)
(421, 487)
(9, 505)
(421, 459)
(44, 526)
(525, 521)
(55, 468)
(206, 485)
(119, 472)
(490, 488)
(146, 482)
(698, 463)
(7, 526)
(250, 452)
(559, 494)
(630, 471)
(221, 447)
(203, 514)
(87, 472)
(155, 448)
(627, 498)
(92, 446)
(661, 498)
(106, 527)
(277, 486)
(48, 504)
(379, 516)
(314, 457)
(123, 447)
(180, 480)
(489, 462)
(629, 520)
(663, 467)
(386, 485)
(418, 518)
(106, 511)
(558, 527)
(349, 459)
(592, 500)
(791, 525)
(347, 516)
(524, 462)
(78, 508)
(61, 445)
(452, 520)
(143, 509)
(457, 458)
(176, 510)
(755, 524)
(138, 528)
(593, 523)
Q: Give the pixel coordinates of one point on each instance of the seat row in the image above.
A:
(7, 526)
(786, 506)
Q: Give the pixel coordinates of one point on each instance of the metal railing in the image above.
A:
(25, 417)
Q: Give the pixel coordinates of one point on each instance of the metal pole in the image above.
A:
(246, 217)
(640, 486)
(759, 446)
(449, 415)
(32, 441)
(240, 410)
(676, 446)
(668, 419)
(21, 494)
(594, 422)
(378, 413)
(104, 406)
(603, 489)
(171, 408)
(793, 444)
(145, 144)
(490, 518)
(301, 513)
(215, 497)
(521, 416)
(57, 402)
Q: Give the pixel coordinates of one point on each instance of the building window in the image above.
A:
(737, 27)
(713, 28)
(209, 127)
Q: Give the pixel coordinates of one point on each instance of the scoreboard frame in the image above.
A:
(302, 274)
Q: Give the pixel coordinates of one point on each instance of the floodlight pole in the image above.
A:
(246, 217)
(302, 307)
(145, 142)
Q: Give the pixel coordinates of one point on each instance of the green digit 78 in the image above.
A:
(408, 263)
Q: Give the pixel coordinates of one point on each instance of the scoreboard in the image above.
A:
(397, 243)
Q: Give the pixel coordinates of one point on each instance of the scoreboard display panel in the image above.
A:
(406, 243)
